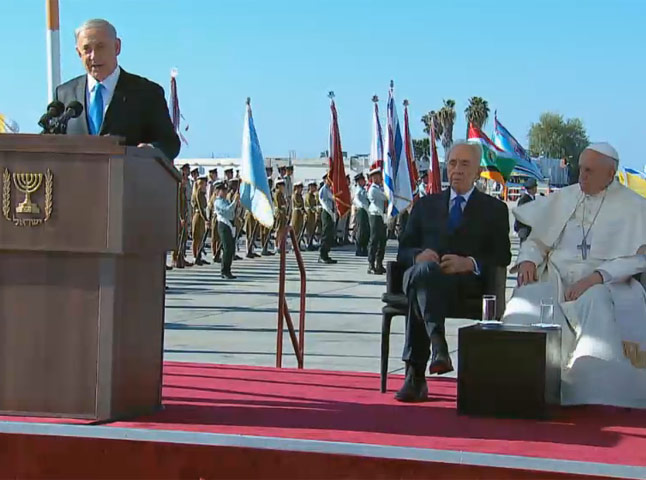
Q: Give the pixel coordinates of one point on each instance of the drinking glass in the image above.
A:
(547, 311)
(488, 308)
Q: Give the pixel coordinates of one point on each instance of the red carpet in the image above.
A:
(347, 407)
(344, 407)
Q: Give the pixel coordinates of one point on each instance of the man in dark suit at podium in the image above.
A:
(451, 241)
(116, 102)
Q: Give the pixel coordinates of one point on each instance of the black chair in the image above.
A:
(396, 303)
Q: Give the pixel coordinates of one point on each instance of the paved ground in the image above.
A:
(234, 322)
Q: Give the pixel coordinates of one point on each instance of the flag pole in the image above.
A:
(53, 48)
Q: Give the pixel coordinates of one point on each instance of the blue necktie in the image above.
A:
(455, 215)
(96, 109)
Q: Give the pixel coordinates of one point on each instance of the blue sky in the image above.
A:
(580, 58)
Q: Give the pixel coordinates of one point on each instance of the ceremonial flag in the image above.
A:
(175, 113)
(504, 140)
(7, 125)
(396, 174)
(497, 164)
(377, 145)
(410, 152)
(255, 195)
(435, 175)
(336, 171)
(633, 179)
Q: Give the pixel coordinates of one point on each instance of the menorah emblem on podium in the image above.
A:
(28, 183)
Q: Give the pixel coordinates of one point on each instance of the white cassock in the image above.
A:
(604, 330)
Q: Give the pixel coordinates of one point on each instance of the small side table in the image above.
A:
(509, 370)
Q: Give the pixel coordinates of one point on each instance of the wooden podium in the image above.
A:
(84, 229)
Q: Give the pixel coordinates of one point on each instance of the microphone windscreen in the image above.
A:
(55, 108)
(76, 107)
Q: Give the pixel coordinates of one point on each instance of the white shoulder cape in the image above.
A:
(623, 217)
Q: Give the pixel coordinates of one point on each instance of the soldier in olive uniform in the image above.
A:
(362, 225)
(238, 220)
(265, 233)
(298, 211)
(179, 255)
(310, 214)
(200, 219)
(280, 209)
(328, 221)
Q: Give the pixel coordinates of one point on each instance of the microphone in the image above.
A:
(73, 110)
(54, 110)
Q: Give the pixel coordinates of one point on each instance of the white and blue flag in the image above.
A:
(255, 195)
(397, 177)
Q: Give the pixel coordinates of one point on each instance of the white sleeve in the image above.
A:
(622, 268)
(531, 251)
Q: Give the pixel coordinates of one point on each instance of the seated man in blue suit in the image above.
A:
(452, 240)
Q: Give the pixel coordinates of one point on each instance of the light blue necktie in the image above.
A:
(455, 215)
(96, 109)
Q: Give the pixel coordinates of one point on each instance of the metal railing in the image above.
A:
(283, 311)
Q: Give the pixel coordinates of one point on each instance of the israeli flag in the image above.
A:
(255, 195)
(397, 179)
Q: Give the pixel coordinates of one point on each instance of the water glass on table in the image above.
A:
(489, 309)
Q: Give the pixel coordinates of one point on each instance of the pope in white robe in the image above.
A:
(584, 255)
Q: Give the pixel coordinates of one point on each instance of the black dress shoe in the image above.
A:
(228, 276)
(440, 360)
(267, 253)
(414, 388)
(379, 269)
(237, 257)
(169, 267)
(371, 270)
(204, 262)
(327, 260)
(216, 260)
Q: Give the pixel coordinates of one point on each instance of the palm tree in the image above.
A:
(447, 119)
(476, 113)
(432, 116)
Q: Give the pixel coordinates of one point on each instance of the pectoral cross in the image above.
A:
(585, 248)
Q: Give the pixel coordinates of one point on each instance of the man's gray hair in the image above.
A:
(96, 23)
(474, 145)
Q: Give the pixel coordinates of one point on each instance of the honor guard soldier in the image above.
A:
(311, 198)
(298, 212)
(376, 213)
(280, 209)
(362, 225)
(200, 219)
(225, 215)
(265, 232)
(179, 256)
(328, 221)
(213, 224)
(234, 188)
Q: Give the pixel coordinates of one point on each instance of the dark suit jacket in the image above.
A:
(523, 200)
(483, 233)
(137, 112)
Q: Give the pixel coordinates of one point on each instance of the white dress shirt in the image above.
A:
(109, 85)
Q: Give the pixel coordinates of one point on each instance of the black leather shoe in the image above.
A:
(414, 388)
(228, 276)
(379, 269)
(327, 260)
(216, 260)
(440, 359)
(237, 257)
(371, 270)
(267, 253)
(204, 262)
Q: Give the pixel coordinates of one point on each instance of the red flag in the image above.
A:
(340, 187)
(435, 182)
(410, 153)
